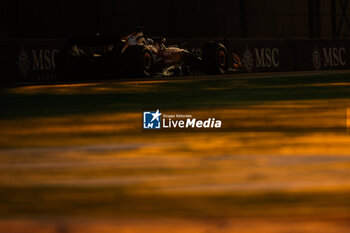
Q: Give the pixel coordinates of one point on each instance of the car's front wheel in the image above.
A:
(215, 58)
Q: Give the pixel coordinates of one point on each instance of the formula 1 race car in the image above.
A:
(146, 57)
(136, 56)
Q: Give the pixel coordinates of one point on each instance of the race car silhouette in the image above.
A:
(146, 57)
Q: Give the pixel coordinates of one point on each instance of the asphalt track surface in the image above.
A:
(237, 75)
(74, 159)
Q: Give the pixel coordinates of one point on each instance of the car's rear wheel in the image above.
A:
(138, 61)
(215, 58)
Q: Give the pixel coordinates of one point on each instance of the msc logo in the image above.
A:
(151, 120)
(329, 57)
(261, 58)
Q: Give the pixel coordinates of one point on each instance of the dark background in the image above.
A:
(179, 18)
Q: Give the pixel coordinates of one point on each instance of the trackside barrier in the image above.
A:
(35, 60)
(284, 55)
(29, 60)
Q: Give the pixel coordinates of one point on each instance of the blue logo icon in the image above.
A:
(151, 120)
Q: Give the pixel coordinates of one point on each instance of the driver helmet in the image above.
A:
(149, 41)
